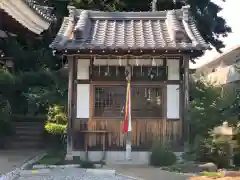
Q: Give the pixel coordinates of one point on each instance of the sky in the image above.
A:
(231, 14)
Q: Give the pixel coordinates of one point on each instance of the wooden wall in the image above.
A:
(144, 133)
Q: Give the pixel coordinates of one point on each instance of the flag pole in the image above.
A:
(129, 131)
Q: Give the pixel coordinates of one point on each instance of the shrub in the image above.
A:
(210, 150)
(236, 156)
(5, 117)
(56, 124)
(55, 129)
(161, 155)
(189, 152)
(87, 165)
(55, 157)
(236, 159)
(56, 120)
(57, 114)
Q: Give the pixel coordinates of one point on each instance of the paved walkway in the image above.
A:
(9, 159)
(70, 173)
(67, 174)
(81, 174)
(144, 172)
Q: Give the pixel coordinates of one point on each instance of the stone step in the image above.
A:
(26, 144)
(31, 129)
(27, 138)
(28, 133)
(36, 127)
(29, 124)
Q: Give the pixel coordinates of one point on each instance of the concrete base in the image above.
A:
(118, 157)
(101, 171)
(114, 157)
(69, 157)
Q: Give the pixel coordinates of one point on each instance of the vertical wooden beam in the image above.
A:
(181, 97)
(74, 99)
(91, 68)
(71, 78)
(91, 94)
(186, 60)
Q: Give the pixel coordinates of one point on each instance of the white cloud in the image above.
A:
(231, 14)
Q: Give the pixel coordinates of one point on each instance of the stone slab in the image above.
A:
(11, 159)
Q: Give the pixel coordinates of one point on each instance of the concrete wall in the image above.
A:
(224, 75)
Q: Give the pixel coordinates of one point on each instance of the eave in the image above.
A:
(119, 33)
(131, 54)
(24, 14)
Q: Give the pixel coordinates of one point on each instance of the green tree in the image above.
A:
(43, 89)
(209, 107)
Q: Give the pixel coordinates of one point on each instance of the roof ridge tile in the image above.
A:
(159, 30)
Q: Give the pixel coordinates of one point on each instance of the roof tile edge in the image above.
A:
(75, 13)
(36, 8)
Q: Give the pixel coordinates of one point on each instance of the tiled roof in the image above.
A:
(86, 29)
(44, 11)
(34, 17)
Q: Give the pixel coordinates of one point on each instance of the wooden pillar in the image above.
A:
(71, 78)
(128, 72)
(186, 97)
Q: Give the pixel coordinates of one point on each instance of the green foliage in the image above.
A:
(56, 120)
(55, 157)
(87, 165)
(57, 114)
(6, 77)
(55, 129)
(210, 149)
(33, 78)
(212, 174)
(44, 89)
(162, 155)
(236, 158)
(209, 22)
(7, 82)
(35, 97)
(209, 107)
(5, 117)
(56, 125)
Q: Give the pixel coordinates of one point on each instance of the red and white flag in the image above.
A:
(127, 125)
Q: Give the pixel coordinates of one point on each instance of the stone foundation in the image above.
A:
(115, 157)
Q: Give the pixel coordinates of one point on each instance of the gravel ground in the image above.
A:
(70, 174)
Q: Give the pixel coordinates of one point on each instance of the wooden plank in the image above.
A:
(145, 132)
